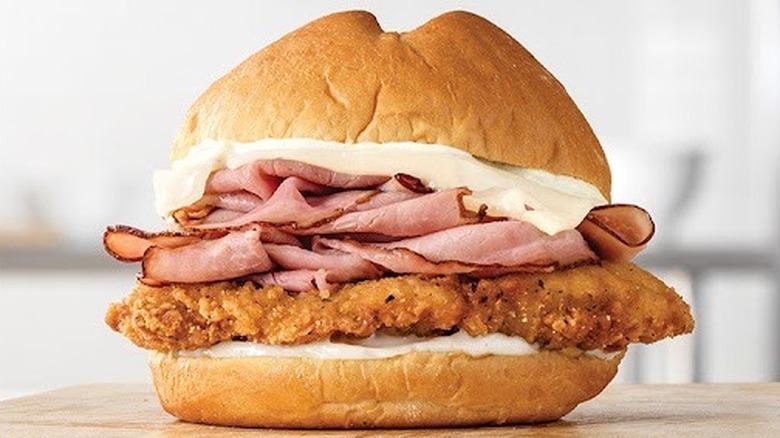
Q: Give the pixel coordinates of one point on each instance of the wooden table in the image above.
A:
(108, 410)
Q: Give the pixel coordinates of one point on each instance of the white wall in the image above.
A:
(91, 93)
(52, 331)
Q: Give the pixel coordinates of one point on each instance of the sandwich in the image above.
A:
(371, 229)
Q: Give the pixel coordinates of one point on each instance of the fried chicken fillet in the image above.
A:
(604, 306)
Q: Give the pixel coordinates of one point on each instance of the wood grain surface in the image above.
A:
(112, 410)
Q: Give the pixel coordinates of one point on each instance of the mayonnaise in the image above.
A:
(552, 203)
(383, 346)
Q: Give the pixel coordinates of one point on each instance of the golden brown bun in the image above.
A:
(457, 80)
(412, 390)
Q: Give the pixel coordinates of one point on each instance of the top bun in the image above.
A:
(457, 80)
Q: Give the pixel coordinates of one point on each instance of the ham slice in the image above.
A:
(483, 249)
(504, 243)
(236, 201)
(288, 205)
(341, 267)
(244, 190)
(418, 216)
(318, 175)
(401, 260)
(246, 178)
(382, 199)
(245, 202)
(214, 219)
(617, 232)
(129, 244)
(305, 270)
(301, 198)
(299, 280)
(234, 255)
(216, 208)
(403, 182)
(262, 177)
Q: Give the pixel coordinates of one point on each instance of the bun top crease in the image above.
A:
(457, 80)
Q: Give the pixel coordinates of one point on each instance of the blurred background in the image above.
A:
(684, 95)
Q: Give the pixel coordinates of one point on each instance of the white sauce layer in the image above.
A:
(383, 346)
(551, 202)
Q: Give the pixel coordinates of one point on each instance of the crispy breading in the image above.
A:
(188, 317)
(590, 307)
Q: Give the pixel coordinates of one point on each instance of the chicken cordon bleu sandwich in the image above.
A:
(380, 229)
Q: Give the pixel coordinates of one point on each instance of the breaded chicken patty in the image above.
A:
(604, 306)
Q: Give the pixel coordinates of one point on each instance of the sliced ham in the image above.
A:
(288, 205)
(129, 244)
(213, 208)
(485, 249)
(246, 179)
(234, 255)
(237, 201)
(401, 261)
(403, 182)
(300, 197)
(382, 199)
(617, 232)
(244, 190)
(305, 270)
(262, 177)
(418, 216)
(318, 175)
(340, 266)
(298, 280)
(303, 227)
(214, 220)
(505, 243)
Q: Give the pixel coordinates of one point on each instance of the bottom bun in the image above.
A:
(411, 390)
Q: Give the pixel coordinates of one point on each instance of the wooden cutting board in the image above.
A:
(112, 410)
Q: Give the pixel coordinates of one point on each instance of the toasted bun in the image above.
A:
(412, 390)
(457, 80)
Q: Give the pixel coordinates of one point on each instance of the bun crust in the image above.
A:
(412, 390)
(457, 80)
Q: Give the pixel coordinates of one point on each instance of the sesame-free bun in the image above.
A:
(457, 80)
(411, 390)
